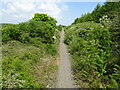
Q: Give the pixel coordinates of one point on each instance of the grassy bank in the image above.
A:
(27, 66)
(30, 53)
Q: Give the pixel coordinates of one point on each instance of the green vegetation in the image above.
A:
(33, 29)
(30, 53)
(60, 27)
(30, 50)
(94, 47)
(107, 9)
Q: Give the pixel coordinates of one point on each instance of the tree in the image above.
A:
(96, 13)
(45, 18)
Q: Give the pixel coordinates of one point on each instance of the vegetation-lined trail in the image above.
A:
(30, 52)
(64, 74)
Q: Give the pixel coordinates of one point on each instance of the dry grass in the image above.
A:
(46, 71)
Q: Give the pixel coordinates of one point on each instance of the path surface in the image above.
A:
(65, 79)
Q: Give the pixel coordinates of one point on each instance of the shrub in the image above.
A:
(11, 33)
(90, 46)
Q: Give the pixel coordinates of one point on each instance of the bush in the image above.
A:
(41, 26)
(90, 46)
(24, 38)
(51, 49)
(11, 33)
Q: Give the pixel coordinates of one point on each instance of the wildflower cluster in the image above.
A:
(105, 21)
(12, 81)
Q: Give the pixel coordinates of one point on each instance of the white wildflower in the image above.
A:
(103, 17)
(106, 16)
(91, 28)
(54, 37)
(100, 19)
(102, 26)
(48, 86)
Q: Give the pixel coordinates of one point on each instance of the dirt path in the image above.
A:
(65, 79)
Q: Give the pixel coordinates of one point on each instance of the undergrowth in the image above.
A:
(94, 63)
(29, 53)
(20, 62)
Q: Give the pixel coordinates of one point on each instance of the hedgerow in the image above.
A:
(90, 45)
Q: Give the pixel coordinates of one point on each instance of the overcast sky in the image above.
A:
(16, 11)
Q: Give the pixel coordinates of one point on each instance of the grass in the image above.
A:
(27, 66)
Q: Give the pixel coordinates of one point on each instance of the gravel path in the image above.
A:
(65, 79)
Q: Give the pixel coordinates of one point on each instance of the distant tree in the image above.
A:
(60, 27)
(44, 18)
(96, 13)
(43, 26)
(109, 8)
